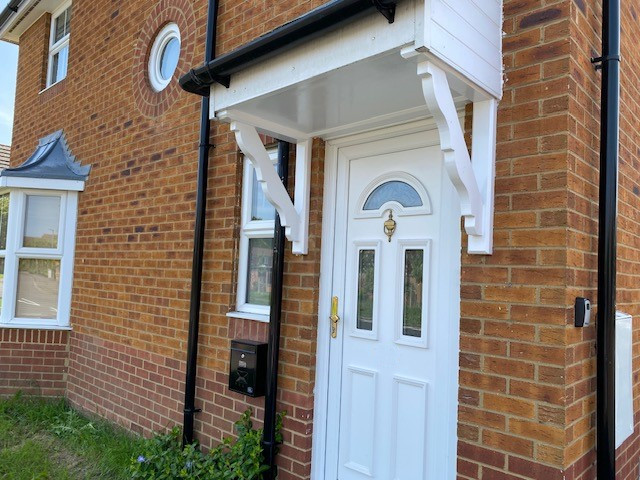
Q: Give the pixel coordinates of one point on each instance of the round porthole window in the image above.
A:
(163, 60)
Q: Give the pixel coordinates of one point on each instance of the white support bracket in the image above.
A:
(294, 217)
(473, 180)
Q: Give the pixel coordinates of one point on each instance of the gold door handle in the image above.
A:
(334, 317)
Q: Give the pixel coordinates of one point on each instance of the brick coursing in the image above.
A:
(514, 303)
(33, 361)
(526, 374)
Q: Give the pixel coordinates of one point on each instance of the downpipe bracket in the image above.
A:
(599, 61)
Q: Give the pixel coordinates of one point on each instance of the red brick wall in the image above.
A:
(527, 375)
(33, 361)
(135, 225)
(515, 307)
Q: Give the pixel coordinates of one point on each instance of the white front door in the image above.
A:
(396, 267)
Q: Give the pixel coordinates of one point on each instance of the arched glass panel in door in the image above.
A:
(393, 190)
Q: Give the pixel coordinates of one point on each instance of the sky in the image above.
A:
(8, 66)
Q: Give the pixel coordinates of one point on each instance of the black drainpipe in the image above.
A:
(607, 224)
(198, 238)
(269, 445)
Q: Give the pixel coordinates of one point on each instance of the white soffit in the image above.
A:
(28, 12)
(325, 87)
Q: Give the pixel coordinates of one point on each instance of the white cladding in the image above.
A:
(466, 35)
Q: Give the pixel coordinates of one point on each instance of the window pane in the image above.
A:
(59, 66)
(261, 209)
(38, 285)
(61, 63)
(412, 302)
(366, 277)
(60, 25)
(259, 271)
(42, 219)
(4, 221)
(67, 21)
(54, 68)
(169, 58)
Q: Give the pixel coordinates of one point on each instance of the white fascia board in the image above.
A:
(365, 38)
(42, 183)
(28, 13)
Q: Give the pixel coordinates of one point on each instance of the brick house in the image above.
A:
(5, 151)
(454, 351)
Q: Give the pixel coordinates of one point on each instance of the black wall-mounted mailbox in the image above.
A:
(248, 371)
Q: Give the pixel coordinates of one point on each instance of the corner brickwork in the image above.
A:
(515, 307)
(584, 110)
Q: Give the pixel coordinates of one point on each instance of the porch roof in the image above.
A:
(323, 19)
(51, 160)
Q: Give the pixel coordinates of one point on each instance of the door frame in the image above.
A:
(448, 366)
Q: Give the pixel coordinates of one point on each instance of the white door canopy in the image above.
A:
(344, 68)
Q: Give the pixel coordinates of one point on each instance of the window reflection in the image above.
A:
(412, 301)
(42, 220)
(38, 286)
(366, 278)
(259, 271)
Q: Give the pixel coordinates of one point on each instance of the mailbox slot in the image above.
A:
(248, 369)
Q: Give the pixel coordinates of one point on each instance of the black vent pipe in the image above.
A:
(607, 224)
(198, 238)
(269, 441)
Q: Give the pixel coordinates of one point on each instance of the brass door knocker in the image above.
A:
(390, 225)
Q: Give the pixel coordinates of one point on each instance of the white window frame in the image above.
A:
(164, 36)
(15, 251)
(250, 229)
(55, 47)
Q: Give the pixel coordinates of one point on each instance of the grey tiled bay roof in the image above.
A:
(52, 159)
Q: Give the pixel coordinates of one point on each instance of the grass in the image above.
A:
(44, 439)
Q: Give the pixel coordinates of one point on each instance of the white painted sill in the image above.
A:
(31, 326)
(258, 317)
(49, 87)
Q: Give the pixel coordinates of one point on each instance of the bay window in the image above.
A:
(38, 211)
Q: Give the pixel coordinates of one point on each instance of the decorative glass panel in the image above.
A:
(4, 221)
(394, 190)
(38, 286)
(261, 209)
(366, 277)
(259, 271)
(412, 301)
(42, 220)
